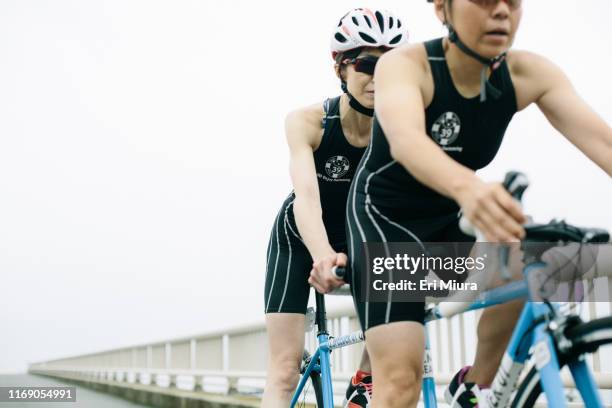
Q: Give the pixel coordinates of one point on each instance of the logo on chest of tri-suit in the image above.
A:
(337, 166)
(445, 131)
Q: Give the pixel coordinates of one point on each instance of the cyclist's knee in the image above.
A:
(286, 347)
(399, 379)
(283, 373)
(397, 369)
(398, 387)
(407, 379)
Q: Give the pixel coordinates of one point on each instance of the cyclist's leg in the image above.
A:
(397, 368)
(494, 331)
(365, 364)
(395, 343)
(394, 331)
(285, 350)
(495, 328)
(496, 323)
(396, 350)
(365, 367)
(359, 389)
(286, 298)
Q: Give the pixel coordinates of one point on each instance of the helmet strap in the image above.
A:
(486, 87)
(354, 103)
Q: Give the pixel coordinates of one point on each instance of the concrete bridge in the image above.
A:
(227, 368)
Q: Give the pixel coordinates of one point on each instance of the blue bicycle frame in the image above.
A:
(319, 363)
(531, 331)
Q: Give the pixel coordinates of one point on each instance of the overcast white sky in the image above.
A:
(142, 155)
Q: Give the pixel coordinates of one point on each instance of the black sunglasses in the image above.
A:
(365, 65)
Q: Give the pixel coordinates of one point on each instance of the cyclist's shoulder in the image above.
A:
(406, 65)
(304, 124)
(530, 65)
(533, 75)
(307, 117)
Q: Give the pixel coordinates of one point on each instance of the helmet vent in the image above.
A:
(367, 19)
(395, 39)
(340, 38)
(390, 22)
(355, 21)
(367, 38)
(381, 21)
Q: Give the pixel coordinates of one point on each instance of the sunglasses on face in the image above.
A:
(365, 65)
(513, 4)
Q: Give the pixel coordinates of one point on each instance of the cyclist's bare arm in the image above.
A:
(539, 80)
(304, 133)
(404, 87)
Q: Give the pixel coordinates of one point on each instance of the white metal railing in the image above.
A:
(235, 360)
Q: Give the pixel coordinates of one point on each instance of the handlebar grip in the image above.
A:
(339, 272)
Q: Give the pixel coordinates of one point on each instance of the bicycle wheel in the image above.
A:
(315, 382)
(586, 338)
(315, 379)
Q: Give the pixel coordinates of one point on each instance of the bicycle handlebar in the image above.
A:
(515, 183)
(339, 272)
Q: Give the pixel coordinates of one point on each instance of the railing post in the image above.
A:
(199, 382)
(192, 353)
(168, 350)
(149, 357)
(226, 352)
(344, 329)
(232, 382)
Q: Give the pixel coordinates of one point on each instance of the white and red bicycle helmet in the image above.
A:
(363, 27)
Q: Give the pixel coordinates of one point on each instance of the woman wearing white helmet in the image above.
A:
(326, 142)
